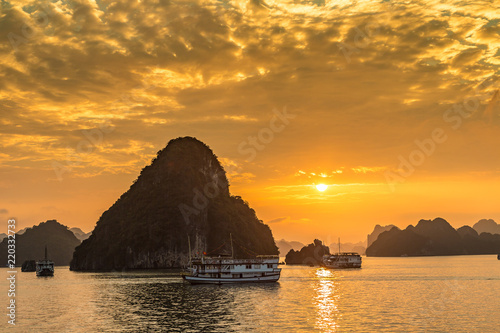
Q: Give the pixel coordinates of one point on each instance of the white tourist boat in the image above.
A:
(342, 260)
(220, 270)
(223, 270)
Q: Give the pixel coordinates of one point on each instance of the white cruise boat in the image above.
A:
(342, 260)
(223, 270)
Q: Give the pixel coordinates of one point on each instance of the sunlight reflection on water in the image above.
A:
(327, 297)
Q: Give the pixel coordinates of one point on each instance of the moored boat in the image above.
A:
(342, 260)
(225, 269)
(220, 270)
(45, 267)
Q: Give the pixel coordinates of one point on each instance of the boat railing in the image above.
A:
(228, 261)
(342, 254)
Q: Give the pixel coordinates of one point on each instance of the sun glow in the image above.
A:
(321, 187)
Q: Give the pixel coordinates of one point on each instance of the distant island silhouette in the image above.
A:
(183, 194)
(434, 238)
(30, 245)
(285, 246)
(311, 254)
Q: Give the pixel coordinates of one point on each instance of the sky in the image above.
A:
(392, 104)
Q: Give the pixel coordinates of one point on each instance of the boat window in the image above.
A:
(248, 266)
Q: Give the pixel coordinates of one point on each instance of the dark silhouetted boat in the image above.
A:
(29, 266)
(45, 267)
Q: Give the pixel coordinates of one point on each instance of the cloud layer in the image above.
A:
(94, 88)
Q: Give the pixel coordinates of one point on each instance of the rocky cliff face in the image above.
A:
(377, 231)
(183, 194)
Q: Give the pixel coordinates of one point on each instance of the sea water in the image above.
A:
(431, 294)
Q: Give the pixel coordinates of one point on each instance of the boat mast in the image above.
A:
(189, 244)
(339, 245)
(232, 250)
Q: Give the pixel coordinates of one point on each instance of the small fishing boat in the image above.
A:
(224, 270)
(45, 267)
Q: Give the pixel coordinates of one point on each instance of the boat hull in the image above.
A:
(45, 272)
(343, 266)
(211, 280)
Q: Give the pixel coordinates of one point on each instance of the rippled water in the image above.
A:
(435, 294)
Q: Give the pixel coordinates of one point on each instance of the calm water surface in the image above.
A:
(435, 294)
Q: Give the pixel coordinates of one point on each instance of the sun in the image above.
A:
(321, 187)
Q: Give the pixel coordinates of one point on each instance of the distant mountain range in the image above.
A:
(434, 237)
(285, 246)
(30, 245)
(359, 247)
(489, 226)
(79, 233)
